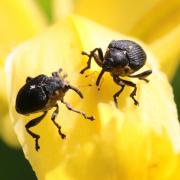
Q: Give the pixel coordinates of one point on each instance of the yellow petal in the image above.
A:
(160, 28)
(7, 132)
(126, 143)
(167, 49)
(158, 21)
(20, 20)
(62, 8)
(6, 129)
(117, 14)
(147, 20)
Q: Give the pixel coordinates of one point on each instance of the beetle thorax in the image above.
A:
(122, 71)
(116, 62)
(56, 92)
(53, 98)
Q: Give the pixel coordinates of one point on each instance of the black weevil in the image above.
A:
(40, 94)
(122, 58)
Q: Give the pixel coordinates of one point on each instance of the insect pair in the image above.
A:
(40, 94)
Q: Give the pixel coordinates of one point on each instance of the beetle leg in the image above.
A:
(142, 76)
(77, 111)
(33, 123)
(133, 93)
(88, 62)
(99, 77)
(76, 90)
(119, 92)
(123, 82)
(53, 117)
(98, 58)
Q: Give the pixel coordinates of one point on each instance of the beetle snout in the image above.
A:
(108, 64)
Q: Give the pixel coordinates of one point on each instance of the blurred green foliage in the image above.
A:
(13, 163)
(46, 6)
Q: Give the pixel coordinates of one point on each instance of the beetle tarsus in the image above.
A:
(88, 62)
(37, 147)
(135, 101)
(117, 95)
(118, 81)
(129, 83)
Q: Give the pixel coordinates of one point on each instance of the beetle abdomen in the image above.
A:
(29, 101)
(135, 53)
(32, 97)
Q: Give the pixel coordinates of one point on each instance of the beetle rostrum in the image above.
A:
(122, 58)
(40, 94)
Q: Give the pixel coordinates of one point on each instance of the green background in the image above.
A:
(13, 165)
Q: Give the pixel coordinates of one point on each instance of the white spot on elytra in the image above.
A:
(32, 87)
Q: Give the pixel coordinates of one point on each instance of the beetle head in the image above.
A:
(114, 58)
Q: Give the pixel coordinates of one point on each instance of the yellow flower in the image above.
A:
(155, 22)
(20, 20)
(126, 143)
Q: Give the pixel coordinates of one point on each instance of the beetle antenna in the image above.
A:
(76, 90)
